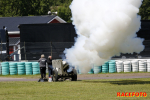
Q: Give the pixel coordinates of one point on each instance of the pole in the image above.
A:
(51, 48)
(1, 49)
(25, 50)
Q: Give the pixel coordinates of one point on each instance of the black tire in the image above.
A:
(74, 76)
(55, 75)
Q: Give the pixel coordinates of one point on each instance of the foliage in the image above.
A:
(64, 12)
(145, 10)
(9, 8)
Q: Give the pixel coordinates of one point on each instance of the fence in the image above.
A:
(33, 50)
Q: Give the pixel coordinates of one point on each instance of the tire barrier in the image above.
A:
(127, 66)
(0, 69)
(35, 68)
(148, 65)
(105, 67)
(21, 68)
(135, 65)
(91, 71)
(119, 66)
(142, 66)
(5, 68)
(79, 71)
(28, 67)
(13, 68)
(112, 66)
(97, 69)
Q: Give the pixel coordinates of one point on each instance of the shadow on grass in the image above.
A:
(121, 82)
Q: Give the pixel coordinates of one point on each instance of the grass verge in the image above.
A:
(79, 90)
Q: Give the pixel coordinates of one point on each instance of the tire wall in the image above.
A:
(0, 69)
(119, 66)
(112, 66)
(142, 66)
(21, 68)
(13, 68)
(35, 68)
(28, 67)
(5, 68)
(148, 65)
(105, 67)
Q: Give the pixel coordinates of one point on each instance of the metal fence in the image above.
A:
(33, 50)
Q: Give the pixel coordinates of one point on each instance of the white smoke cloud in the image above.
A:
(105, 29)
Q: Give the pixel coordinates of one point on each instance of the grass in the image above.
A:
(79, 90)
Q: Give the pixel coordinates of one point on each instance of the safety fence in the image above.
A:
(33, 50)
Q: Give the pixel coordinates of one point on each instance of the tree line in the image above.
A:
(10, 8)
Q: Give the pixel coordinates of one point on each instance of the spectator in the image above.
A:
(50, 67)
(42, 61)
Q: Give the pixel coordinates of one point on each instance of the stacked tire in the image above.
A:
(142, 66)
(91, 71)
(127, 66)
(112, 66)
(148, 65)
(35, 68)
(5, 68)
(105, 68)
(13, 68)
(21, 68)
(119, 66)
(28, 67)
(135, 66)
(79, 71)
(97, 69)
(0, 69)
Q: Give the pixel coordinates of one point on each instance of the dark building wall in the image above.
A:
(145, 30)
(60, 32)
(42, 38)
(4, 43)
(39, 37)
(144, 33)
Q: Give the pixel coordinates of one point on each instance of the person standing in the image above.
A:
(43, 61)
(50, 67)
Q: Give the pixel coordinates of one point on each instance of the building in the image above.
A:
(12, 24)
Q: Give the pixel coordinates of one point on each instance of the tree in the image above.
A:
(9, 8)
(24, 7)
(145, 10)
(65, 13)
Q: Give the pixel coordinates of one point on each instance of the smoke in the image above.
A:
(105, 29)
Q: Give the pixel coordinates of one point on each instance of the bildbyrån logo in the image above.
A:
(131, 94)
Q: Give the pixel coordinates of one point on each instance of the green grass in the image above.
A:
(80, 90)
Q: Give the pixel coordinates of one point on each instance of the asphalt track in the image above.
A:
(89, 77)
